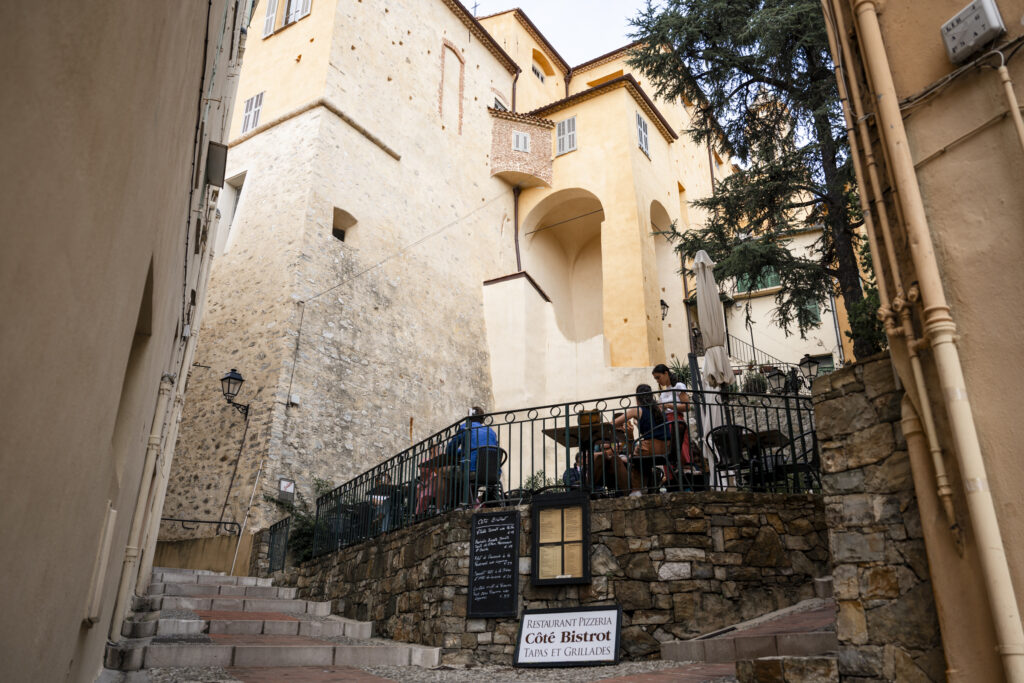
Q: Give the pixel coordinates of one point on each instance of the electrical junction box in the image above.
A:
(973, 27)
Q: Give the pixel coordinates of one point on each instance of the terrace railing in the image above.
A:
(753, 442)
(278, 544)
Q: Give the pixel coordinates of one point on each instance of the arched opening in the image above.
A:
(540, 60)
(670, 284)
(562, 252)
(343, 220)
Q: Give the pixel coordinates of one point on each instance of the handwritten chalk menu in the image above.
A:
(583, 636)
(561, 539)
(494, 565)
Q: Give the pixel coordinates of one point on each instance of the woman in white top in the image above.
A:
(673, 398)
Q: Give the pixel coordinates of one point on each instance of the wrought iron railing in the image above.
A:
(748, 353)
(278, 544)
(726, 440)
(230, 527)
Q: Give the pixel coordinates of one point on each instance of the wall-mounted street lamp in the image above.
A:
(776, 380)
(808, 368)
(664, 309)
(231, 384)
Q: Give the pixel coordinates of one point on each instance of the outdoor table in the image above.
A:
(576, 436)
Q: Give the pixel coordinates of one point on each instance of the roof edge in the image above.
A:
(625, 81)
(601, 59)
(480, 32)
(525, 118)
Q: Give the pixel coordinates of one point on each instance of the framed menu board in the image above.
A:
(494, 565)
(561, 539)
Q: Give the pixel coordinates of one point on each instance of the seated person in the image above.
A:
(654, 436)
(383, 497)
(612, 470)
(573, 477)
(479, 435)
(673, 400)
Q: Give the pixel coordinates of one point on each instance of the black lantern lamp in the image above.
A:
(231, 384)
(664, 309)
(808, 368)
(776, 380)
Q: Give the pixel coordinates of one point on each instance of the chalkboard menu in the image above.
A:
(494, 565)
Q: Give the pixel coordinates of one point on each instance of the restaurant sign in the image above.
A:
(583, 636)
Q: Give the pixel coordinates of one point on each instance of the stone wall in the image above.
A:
(887, 624)
(679, 564)
(349, 346)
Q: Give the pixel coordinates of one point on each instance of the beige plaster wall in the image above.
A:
(973, 203)
(102, 107)
(514, 38)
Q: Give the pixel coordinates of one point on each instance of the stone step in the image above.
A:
(175, 576)
(264, 624)
(264, 651)
(201, 590)
(179, 570)
(737, 647)
(234, 604)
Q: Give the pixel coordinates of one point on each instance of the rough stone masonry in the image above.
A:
(679, 564)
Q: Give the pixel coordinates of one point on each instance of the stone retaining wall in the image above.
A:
(887, 625)
(679, 564)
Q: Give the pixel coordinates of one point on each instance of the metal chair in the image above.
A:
(489, 461)
(727, 444)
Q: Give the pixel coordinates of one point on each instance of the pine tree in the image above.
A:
(759, 76)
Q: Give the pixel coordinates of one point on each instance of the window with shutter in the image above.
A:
(296, 9)
(641, 134)
(268, 21)
(521, 141)
(251, 115)
(565, 134)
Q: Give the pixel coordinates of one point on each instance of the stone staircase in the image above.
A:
(198, 618)
(804, 630)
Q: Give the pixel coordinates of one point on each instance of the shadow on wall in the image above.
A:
(562, 252)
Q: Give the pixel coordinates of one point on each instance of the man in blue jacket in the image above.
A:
(479, 435)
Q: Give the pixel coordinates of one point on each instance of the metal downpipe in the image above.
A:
(889, 308)
(131, 551)
(941, 333)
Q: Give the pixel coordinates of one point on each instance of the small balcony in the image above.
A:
(521, 149)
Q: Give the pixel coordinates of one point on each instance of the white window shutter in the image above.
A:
(570, 134)
(268, 21)
(304, 10)
(560, 136)
(526, 140)
(247, 118)
(256, 107)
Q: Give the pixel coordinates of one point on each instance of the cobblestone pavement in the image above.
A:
(628, 672)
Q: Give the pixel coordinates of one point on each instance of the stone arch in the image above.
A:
(561, 240)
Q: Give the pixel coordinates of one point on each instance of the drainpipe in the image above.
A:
(1011, 98)
(515, 217)
(941, 332)
(148, 546)
(888, 309)
(514, 80)
(131, 551)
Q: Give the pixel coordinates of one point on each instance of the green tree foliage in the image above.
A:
(759, 75)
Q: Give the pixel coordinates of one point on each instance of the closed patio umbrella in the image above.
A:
(717, 371)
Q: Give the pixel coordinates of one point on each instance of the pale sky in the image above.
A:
(579, 29)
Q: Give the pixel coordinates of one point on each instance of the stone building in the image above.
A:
(938, 145)
(110, 177)
(426, 211)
